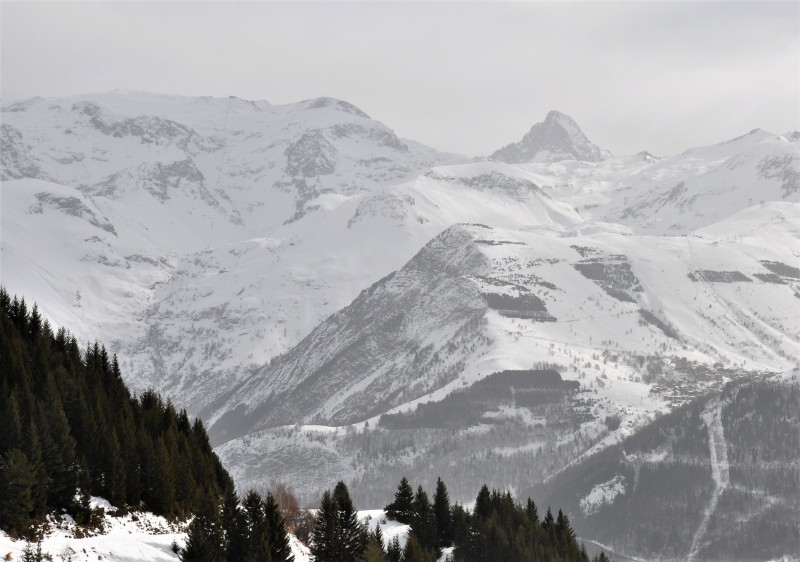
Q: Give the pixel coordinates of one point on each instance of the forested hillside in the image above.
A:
(714, 480)
(70, 429)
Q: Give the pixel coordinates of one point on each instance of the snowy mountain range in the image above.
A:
(298, 275)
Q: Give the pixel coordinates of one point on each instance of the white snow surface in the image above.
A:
(143, 537)
(203, 239)
(602, 494)
(149, 538)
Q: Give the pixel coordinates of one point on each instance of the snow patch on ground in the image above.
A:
(130, 538)
(602, 494)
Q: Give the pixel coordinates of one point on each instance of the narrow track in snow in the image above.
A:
(718, 449)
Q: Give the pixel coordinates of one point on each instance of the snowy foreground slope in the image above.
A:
(149, 538)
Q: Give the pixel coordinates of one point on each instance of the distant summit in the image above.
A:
(558, 137)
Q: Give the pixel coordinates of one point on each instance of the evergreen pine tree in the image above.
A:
(116, 463)
(352, 538)
(460, 524)
(548, 522)
(161, 496)
(33, 450)
(324, 535)
(204, 539)
(532, 511)
(441, 509)
(31, 554)
(483, 503)
(280, 549)
(234, 527)
(59, 458)
(258, 545)
(377, 537)
(423, 522)
(16, 494)
(394, 552)
(401, 509)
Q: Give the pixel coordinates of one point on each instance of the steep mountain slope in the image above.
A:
(172, 179)
(61, 247)
(558, 137)
(227, 311)
(735, 453)
(641, 323)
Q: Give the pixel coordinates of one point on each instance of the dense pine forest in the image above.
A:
(72, 430)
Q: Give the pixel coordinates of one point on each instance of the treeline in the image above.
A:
(253, 530)
(70, 429)
(497, 529)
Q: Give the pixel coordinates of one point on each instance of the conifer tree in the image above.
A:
(116, 475)
(16, 494)
(483, 504)
(33, 450)
(258, 545)
(460, 524)
(324, 536)
(59, 458)
(161, 496)
(394, 552)
(402, 508)
(377, 537)
(204, 539)
(233, 527)
(532, 511)
(352, 537)
(280, 549)
(423, 522)
(548, 523)
(441, 509)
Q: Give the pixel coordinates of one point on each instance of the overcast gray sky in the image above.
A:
(464, 77)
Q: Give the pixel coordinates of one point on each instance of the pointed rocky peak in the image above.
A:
(645, 156)
(556, 138)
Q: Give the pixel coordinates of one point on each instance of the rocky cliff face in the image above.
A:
(558, 137)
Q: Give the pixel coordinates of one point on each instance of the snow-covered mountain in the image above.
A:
(643, 323)
(556, 138)
(274, 267)
(177, 180)
(680, 193)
